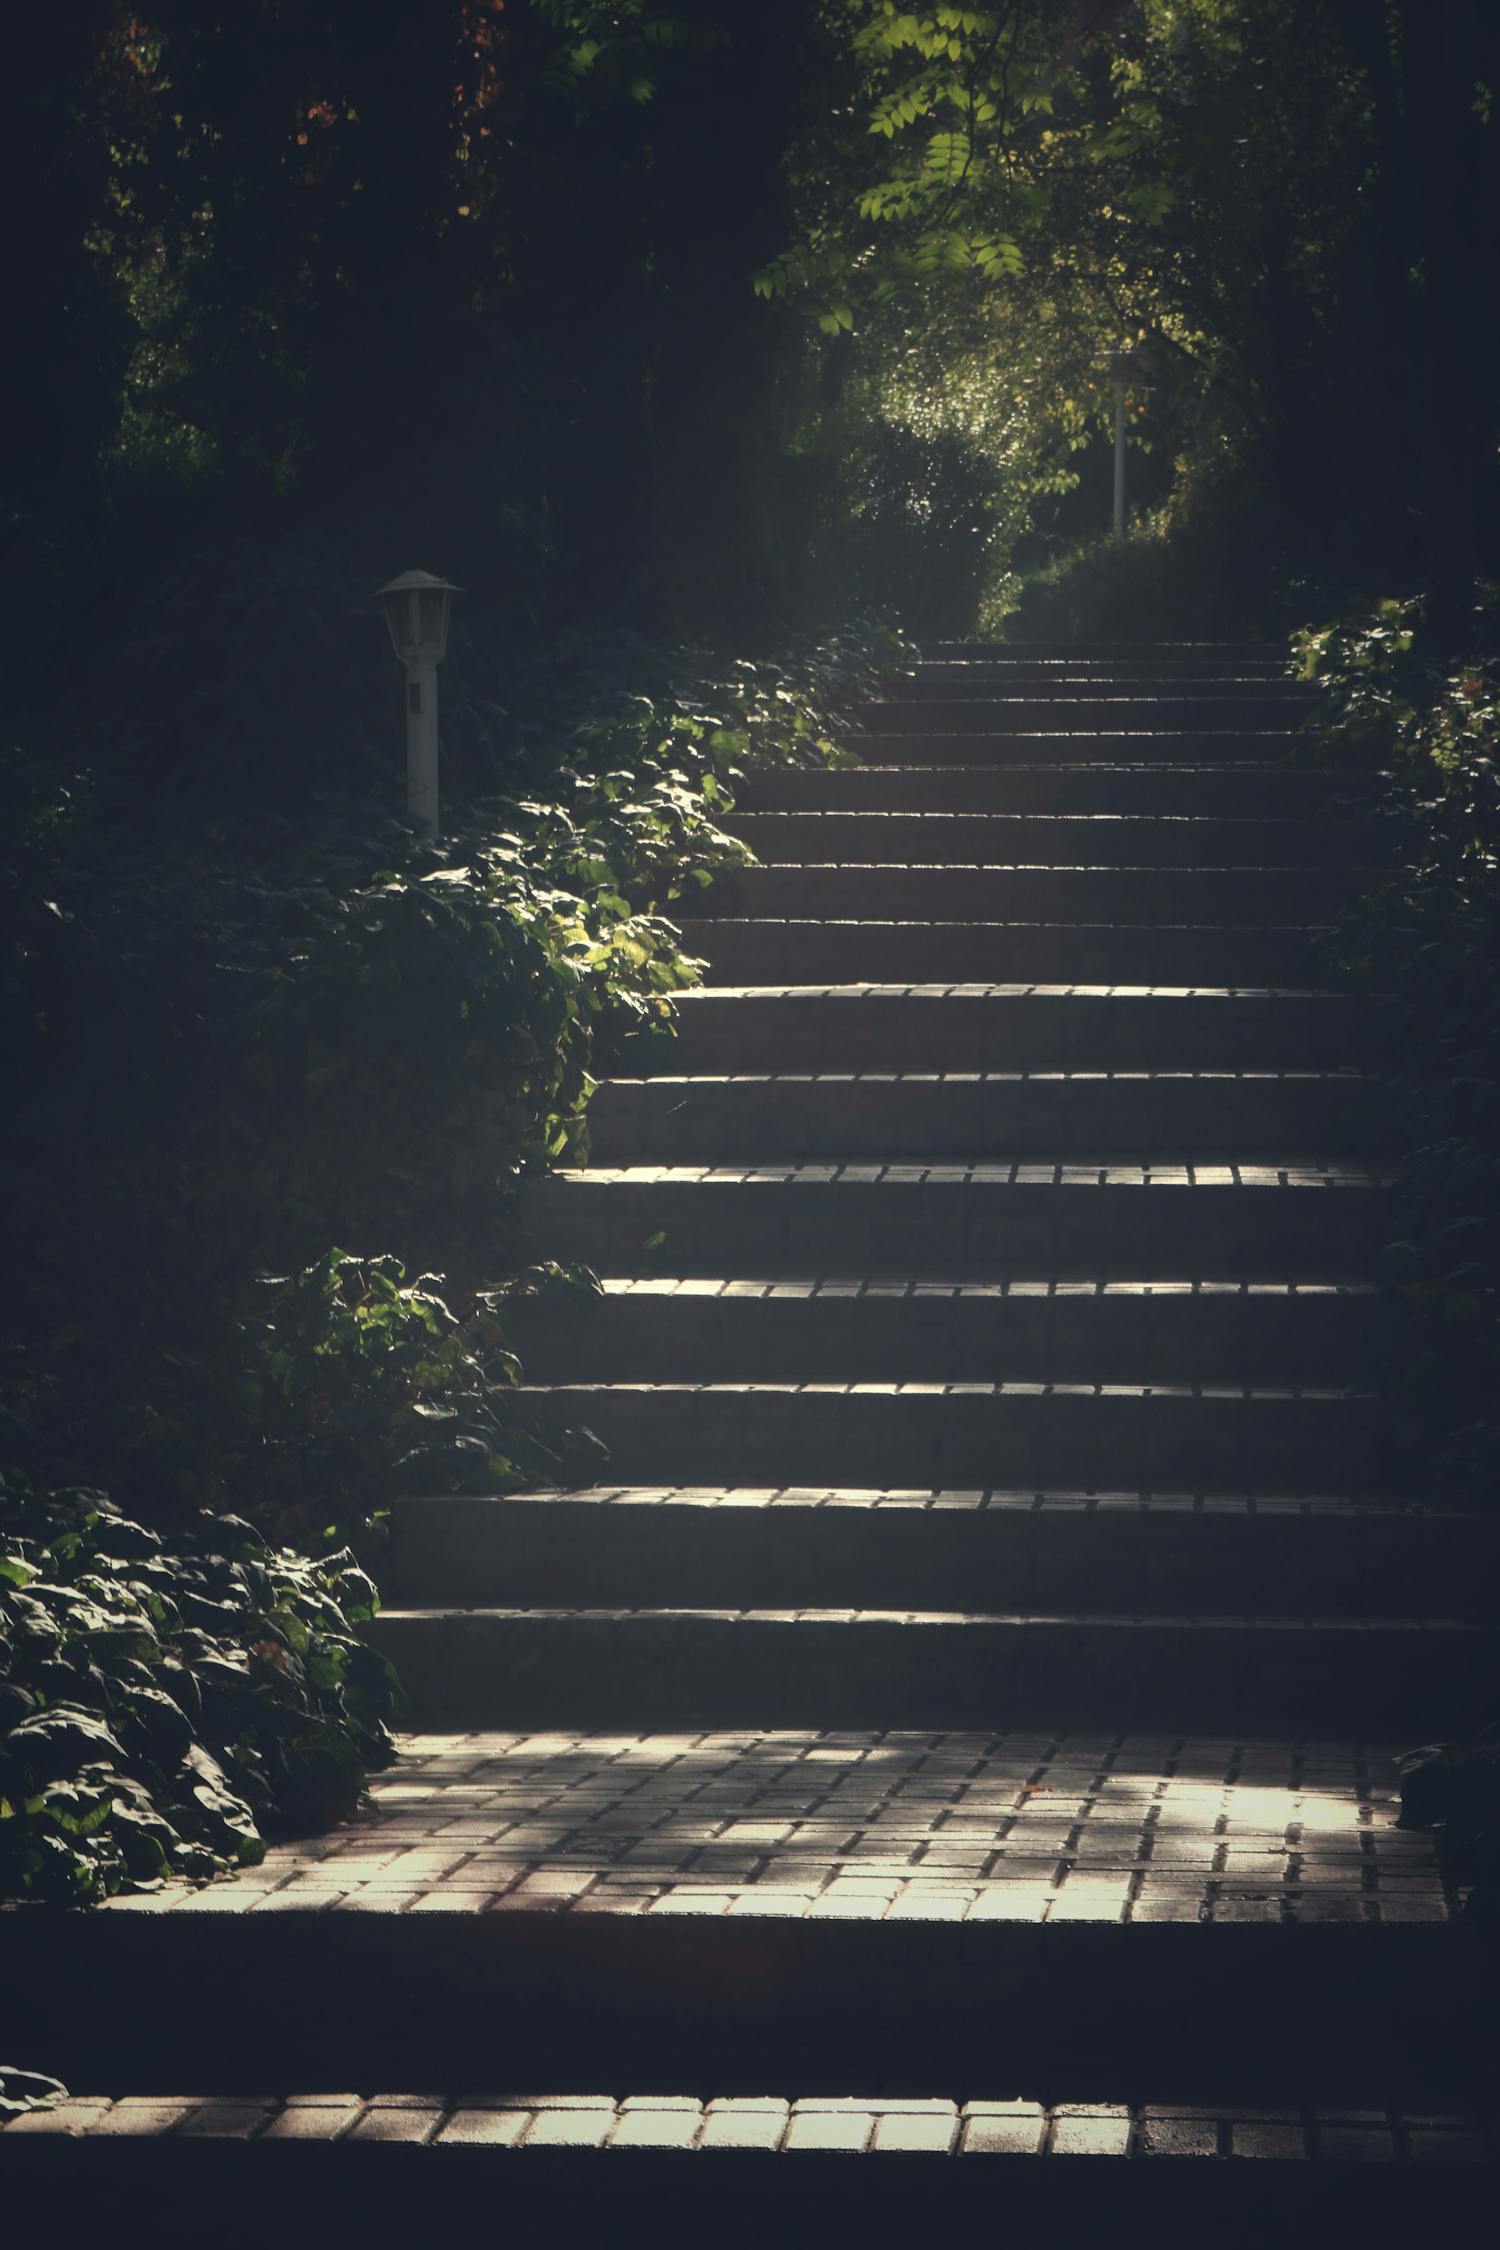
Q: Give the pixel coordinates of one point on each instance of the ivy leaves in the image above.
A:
(166, 1702)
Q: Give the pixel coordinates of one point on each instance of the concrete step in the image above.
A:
(1046, 683)
(1224, 790)
(1304, 1221)
(1052, 1114)
(967, 1435)
(799, 1547)
(695, 1668)
(1154, 655)
(1121, 895)
(1057, 1916)
(796, 949)
(1091, 712)
(945, 839)
(414, 2166)
(1141, 740)
(790, 1330)
(940, 1027)
(1101, 675)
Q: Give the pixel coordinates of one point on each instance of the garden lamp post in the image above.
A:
(416, 610)
(1122, 366)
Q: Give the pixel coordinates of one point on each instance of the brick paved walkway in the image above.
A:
(818, 2124)
(868, 1827)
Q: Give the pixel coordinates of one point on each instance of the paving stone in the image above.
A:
(731, 2127)
(1356, 2144)
(141, 2118)
(415, 2123)
(1434, 2145)
(1090, 2133)
(905, 2134)
(483, 2128)
(1281, 2141)
(1178, 2136)
(571, 2128)
(77, 2114)
(657, 2129)
(225, 2120)
(312, 2121)
(1001, 2135)
(839, 2132)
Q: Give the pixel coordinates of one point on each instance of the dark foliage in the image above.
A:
(238, 1034)
(165, 1702)
(1429, 941)
(1454, 1789)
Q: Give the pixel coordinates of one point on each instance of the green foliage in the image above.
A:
(565, 200)
(1376, 684)
(1430, 939)
(236, 1036)
(265, 1035)
(338, 1386)
(609, 50)
(997, 199)
(585, 408)
(1209, 563)
(167, 1702)
(230, 1053)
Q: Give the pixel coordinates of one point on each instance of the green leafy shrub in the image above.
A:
(238, 1038)
(1375, 684)
(1204, 565)
(168, 1701)
(268, 1044)
(1428, 941)
(339, 1386)
(270, 1036)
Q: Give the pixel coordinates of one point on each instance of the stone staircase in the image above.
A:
(967, 1713)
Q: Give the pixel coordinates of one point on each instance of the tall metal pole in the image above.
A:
(1119, 459)
(422, 746)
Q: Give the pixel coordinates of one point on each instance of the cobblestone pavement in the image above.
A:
(869, 1826)
(998, 1172)
(827, 2124)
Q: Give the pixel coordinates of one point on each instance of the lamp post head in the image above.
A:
(416, 610)
(1126, 366)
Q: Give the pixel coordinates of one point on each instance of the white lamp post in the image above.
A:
(416, 610)
(1122, 365)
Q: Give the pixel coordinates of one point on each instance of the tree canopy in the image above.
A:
(695, 312)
